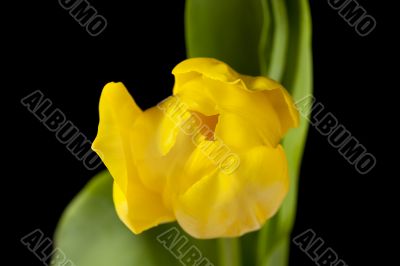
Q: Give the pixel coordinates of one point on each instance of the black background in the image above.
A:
(144, 40)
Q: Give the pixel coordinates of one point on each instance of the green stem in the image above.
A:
(262, 244)
(274, 251)
(229, 252)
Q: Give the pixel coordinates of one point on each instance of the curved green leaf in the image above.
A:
(251, 35)
(90, 233)
(265, 43)
(228, 30)
(276, 60)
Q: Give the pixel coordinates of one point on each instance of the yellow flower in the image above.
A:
(208, 157)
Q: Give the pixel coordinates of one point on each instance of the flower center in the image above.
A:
(207, 125)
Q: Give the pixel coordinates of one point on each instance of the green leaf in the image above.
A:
(251, 36)
(277, 43)
(265, 43)
(90, 233)
(298, 80)
(228, 30)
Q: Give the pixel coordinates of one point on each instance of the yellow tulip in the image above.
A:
(207, 157)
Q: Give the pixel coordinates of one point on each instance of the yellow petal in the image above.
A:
(241, 111)
(141, 209)
(239, 133)
(208, 67)
(198, 165)
(154, 166)
(258, 99)
(118, 113)
(278, 97)
(195, 97)
(223, 205)
(173, 114)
